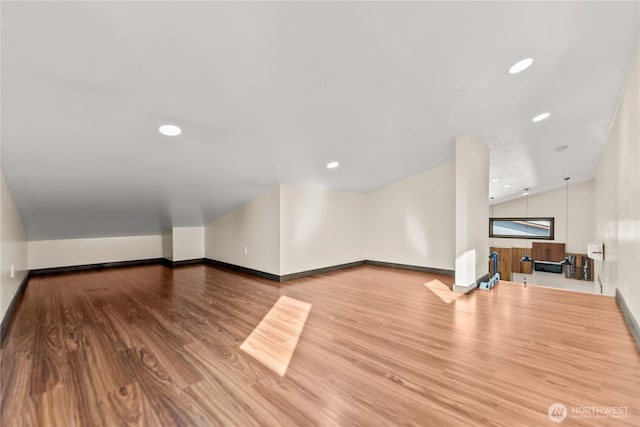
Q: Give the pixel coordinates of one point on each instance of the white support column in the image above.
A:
(472, 212)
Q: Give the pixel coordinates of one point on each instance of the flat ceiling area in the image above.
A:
(269, 93)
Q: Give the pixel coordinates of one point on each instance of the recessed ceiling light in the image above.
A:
(332, 165)
(495, 180)
(520, 66)
(562, 148)
(541, 117)
(170, 130)
(507, 186)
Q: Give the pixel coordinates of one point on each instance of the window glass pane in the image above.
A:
(524, 228)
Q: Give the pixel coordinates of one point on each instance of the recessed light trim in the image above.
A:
(507, 185)
(170, 130)
(540, 117)
(520, 66)
(495, 180)
(332, 165)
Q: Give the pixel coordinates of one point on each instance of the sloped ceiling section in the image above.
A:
(268, 93)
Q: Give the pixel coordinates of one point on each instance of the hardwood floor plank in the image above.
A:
(49, 354)
(127, 406)
(55, 407)
(16, 386)
(163, 395)
(234, 395)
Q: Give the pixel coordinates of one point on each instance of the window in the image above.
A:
(521, 228)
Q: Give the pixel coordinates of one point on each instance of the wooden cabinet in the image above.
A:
(582, 268)
(509, 262)
(518, 266)
(504, 262)
(553, 252)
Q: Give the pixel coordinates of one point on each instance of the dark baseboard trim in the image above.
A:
(283, 278)
(169, 263)
(628, 317)
(6, 321)
(166, 262)
(245, 270)
(322, 270)
(411, 267)
(237, 268)
(188, 262)
(316, 271)
(99, 266)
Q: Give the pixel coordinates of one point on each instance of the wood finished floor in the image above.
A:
(154, 346)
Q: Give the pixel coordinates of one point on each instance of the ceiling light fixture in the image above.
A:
(507, 186)
(332, 165)
(495, 180)
(520, 66)
(562, 148)
(541, 117)
(170, 130)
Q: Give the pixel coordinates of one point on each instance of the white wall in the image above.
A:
(553, 204)
(188, 243)
(254, 225)
(71, 252)
(617, 195)
(471, 210)
(320, 228)
(13, 249)
(413, 221)
(167, 245)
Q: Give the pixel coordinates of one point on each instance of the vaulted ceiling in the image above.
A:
(268, 93)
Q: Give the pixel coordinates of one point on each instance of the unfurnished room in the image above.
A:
(323, 213)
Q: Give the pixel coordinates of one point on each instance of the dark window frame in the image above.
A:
(523, 219)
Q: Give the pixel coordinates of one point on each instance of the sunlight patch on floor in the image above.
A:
(442, 291)
(274, 340)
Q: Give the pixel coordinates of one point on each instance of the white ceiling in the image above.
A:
(268, 93)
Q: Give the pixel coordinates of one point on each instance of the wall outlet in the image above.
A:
(245, 250)
(13, 273)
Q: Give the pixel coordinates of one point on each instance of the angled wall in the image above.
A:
(13, 249)
(187, 243)
(76, 252)
(412, 221)
(254, 226)
(319, 228)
